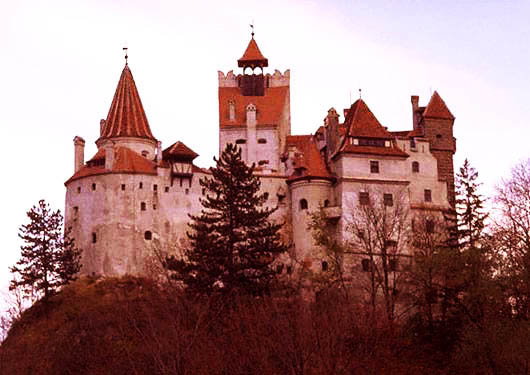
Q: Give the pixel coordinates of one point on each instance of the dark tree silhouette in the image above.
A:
(49, 259)
(233, 243)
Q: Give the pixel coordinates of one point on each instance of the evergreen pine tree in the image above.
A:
(48, 260)
(233, 243)
(469, 206)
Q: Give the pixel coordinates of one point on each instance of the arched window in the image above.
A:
(148, 235)
(415, 167)
(303, 204)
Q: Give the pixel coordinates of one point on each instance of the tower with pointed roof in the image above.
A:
(131, 197)
(254, 110)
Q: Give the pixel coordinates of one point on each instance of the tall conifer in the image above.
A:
(49, 259)
(233, 243)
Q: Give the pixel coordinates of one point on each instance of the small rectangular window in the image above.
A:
(94, 237)
(154, 206)
(415, 167)
(78, 189)
(187, 191)
(122, 187)
(76, 210)
(142, 206)
(366, 265)
(388, 200)
(364, 198)
(93, 187)
(155, 187)
(429, 226)
(141, 185)
(374, 166)
(427, 195)
(166, 189)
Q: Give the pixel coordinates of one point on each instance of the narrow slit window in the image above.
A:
(427, 195)
(78, 189)
(122, 187)
(166, 189)
(94, 237)
(324, 266)
(141, 185)
(93, 187)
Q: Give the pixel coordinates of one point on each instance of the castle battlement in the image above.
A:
(277, 79)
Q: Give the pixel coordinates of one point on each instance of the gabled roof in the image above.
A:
(125, 161)
(437, 108)
(126, 117)
(179, 150)
(252, 56)
(270, 107)
(308, 162)
(361, 122)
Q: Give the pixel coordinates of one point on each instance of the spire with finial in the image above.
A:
(252, 29)
(126, 117)
(252, 58)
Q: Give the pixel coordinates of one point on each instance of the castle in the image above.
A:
(133, 193)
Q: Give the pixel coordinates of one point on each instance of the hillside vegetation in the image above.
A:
(132, 326)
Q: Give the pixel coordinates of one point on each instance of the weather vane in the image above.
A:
(252, 28)
(360, 93)
(126, 56)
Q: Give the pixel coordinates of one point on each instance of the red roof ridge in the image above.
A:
(126, 117)
(252, 56)
(437, 108)
(179, 149)
(361, 122)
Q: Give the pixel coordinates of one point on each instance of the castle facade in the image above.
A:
(133, 195)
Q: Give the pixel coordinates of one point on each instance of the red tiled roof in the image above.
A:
(437, 108)
(179, 150)
(373, 150)
(125, 161)
(126, 117)
(361, 122)
(270, 107)
(408, 133)
(252, 56)
(308, 162)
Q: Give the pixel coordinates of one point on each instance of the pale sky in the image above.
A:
(60, 62)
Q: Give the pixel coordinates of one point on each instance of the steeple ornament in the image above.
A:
(126, 56)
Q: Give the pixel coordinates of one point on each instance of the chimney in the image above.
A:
(231, 110)
(109, 155)
(101, 126)
(414, 99)
(79, 153)
(159, 152)
(252, 156)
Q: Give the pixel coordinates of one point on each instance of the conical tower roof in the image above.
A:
(126, 116)
(252, 57)
(437, 108)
